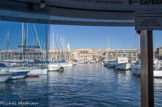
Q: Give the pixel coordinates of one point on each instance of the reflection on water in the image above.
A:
(158, 92)
(24, 91)
(83, 85)
(93, 85)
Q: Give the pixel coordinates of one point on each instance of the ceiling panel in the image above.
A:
(63, 12)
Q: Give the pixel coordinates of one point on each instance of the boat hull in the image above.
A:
(123, 66)
(157, 73)
(18, 74)
(136, 71)
(110, 64)
(66, 65)
(54, 67)
(4, 77)
(32, 75)
(38, 71)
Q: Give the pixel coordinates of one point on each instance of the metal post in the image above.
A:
(147, 87)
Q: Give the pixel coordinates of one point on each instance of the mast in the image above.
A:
(68, 51)
(59, 47)
(26, 44)
(46, 44)
(38, 40)
(107, 48)
(64, 45)
(8, 43)
(8, 38)
(27, 35)
(22, 39)
(53, 46)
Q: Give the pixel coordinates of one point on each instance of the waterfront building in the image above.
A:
(63, 54)
(158, 53)
(100, 54)
(84, 55)
(78, 54)
(131, 54)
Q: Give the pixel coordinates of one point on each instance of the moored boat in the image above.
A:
(123, 66)
(110, 64)
(18, 73)
(4, 75)
(136, 70)
(37, 71)
(54, 67)
(157, 73)
(122, 63)
(66, 64)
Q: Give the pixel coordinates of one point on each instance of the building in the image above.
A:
(84, 55)
(100, 54)
(158, 53)
(59, 54)
(131, 54)
(78, 54)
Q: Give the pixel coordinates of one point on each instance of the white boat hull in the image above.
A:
(136, 71)
(157, 73)
(54, 67)
(123, 66)
(4, 77)
(38, 71)
(66, 65)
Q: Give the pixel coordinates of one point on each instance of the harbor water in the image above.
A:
(90, 85)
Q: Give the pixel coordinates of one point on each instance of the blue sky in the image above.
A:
(94, 37)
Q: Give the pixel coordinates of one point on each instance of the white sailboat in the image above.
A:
(106, 59)
(64, 63)
(36, 71)
(54, 66)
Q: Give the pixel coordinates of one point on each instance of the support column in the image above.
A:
(147, 87)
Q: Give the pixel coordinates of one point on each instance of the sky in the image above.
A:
(95, 37)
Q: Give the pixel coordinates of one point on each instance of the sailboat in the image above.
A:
(157, 71)
(35, 71)
(53, 66)
(65, 63)
(106, 62)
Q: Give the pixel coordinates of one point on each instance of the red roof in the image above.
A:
(84, 51)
